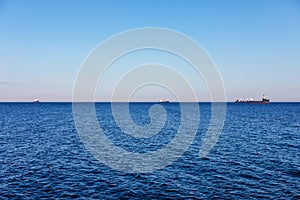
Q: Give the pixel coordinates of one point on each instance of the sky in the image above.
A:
(254, 44)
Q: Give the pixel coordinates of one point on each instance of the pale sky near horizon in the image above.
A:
(254, 44)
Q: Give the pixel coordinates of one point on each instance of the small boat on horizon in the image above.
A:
(264, 100)
(36, 100)
(164, 101)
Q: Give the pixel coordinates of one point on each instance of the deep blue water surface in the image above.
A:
(257, 155)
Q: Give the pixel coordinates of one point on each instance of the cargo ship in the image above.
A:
(264, 100)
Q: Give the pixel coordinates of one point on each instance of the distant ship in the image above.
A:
(164, 101)
(36, 100)
(264, 100)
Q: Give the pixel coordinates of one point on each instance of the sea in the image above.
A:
(257, 154)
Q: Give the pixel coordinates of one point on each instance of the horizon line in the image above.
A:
(136, 102)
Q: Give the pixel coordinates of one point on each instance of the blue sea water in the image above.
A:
(257, 155)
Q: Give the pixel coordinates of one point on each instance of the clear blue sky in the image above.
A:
(255, 44)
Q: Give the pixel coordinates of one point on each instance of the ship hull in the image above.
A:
(264, 100)
(253, 102)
